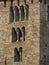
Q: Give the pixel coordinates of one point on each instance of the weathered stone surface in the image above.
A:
(31, 45)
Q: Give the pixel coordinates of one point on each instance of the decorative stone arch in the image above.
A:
(16, 55)
(23, 33)
(16, 13)
(11, 14)
(14, 35)
(22, 12)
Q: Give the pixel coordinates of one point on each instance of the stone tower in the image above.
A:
(19, 32)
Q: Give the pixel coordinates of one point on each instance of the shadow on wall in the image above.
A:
(44, 40)
(43, 43)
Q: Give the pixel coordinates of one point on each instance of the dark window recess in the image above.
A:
(24, 1)
(44, 1)
(20, 50)
(4, 3)
(40, 1)
(31, 1)
(18, 55)
(16, 13)
(19, 34)
(14, 35)
(11, 14)
(11, 2)
(48, 13)
(22, 13)
(23, 33)
(27, 11)
(18, 2)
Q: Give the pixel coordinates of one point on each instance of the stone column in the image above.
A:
(18, 38)
(23, 34)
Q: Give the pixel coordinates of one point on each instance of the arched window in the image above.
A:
(4, 3)
(23, 33)
(16, 13)
(18, 54)
(11, 14)
(27, 11)
(18, 34)
(14, 35)
(22, 13)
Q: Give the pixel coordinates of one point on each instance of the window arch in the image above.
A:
(27, 11)
(16, 13)
(23, 33)
(22, 13)
(11, 14)
(18, 54)
(19, 35)
(14, 35)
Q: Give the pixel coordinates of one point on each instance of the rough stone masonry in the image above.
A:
(19, 32)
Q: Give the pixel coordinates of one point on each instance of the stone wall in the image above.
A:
(31, 45)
